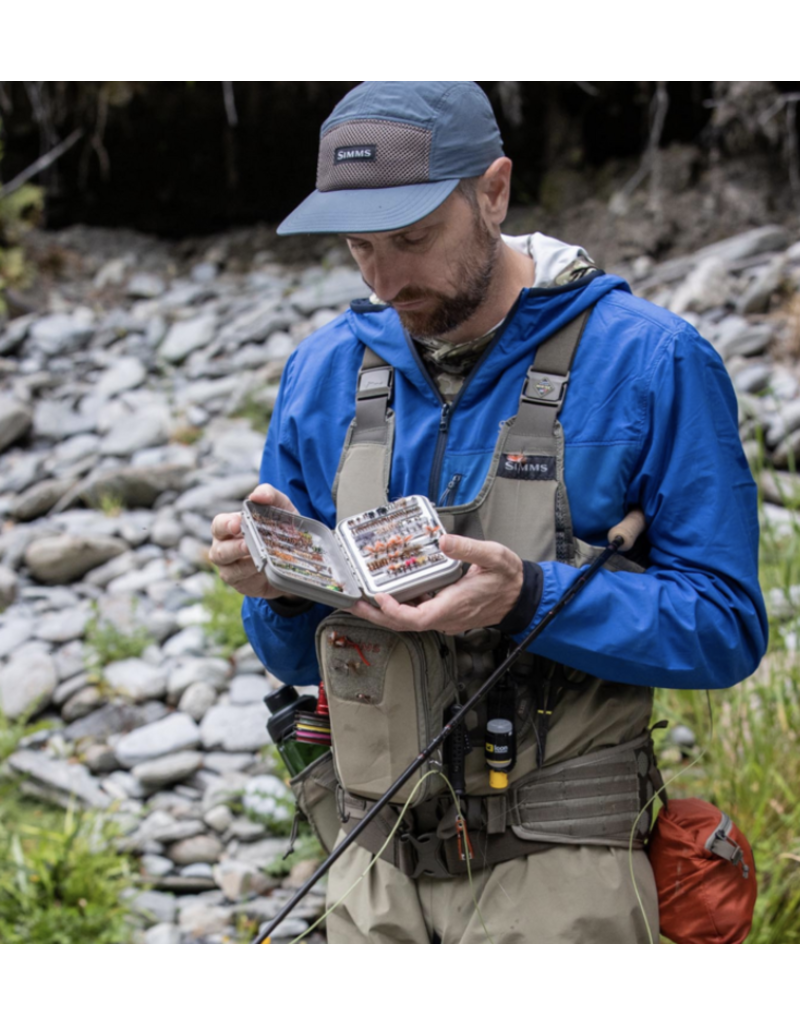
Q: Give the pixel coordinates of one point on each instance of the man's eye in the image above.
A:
(357, 245)
(419, 240)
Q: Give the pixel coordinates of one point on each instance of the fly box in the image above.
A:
(393, 549)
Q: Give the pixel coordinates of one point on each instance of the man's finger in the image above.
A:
(485, 553)
(266, 494)
(226, 552)
(226, 526)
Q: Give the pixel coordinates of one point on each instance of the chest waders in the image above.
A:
(584, 766)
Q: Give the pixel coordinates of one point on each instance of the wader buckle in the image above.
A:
(375, 383)
(545, 388)
(427, 856)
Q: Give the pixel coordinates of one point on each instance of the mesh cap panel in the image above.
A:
(397, 154)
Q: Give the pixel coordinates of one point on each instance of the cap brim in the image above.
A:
(366, 209)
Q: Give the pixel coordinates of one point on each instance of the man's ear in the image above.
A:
(494, 192)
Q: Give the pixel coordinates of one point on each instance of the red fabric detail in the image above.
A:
(702, 898)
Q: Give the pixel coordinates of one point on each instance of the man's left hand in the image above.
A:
(482, 597)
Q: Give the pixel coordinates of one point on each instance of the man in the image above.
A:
(536, 402)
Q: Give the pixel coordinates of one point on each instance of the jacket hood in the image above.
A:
(540, 311)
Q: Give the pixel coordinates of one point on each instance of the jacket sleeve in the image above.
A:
(696, 618)
(284, 644)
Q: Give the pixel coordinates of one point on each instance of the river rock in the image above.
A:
(38, 500)
(186, 336)
(134, 679)
(197, 699)
(82, 703)
(100, 759)
(164, 771)
(156, 866)
(15, 421)
(267, 797)
(61, 627)
(202, 849)
(200, 920)
(145, 286)
(114, 719)
(9, 585)
(62, 332)
(150, 427)
(167, 736)
(758, 293)
(338, 287)
(213, 671)
(249, 689)
(154, 905)
(163, 934)
(707, 286)
(219, 818)
(235, 728)
(238, 879)
(70, 779)
(27, 683)
(69, 557)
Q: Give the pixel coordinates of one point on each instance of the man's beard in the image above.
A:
(474, 273)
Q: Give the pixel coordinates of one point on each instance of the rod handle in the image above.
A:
(628, 530)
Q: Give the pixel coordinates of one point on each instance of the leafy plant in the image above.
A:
(19, 211)
(12, 732)
(104, 642)
(223, 608)
(64, 883)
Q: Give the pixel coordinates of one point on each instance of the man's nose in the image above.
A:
(386, 276)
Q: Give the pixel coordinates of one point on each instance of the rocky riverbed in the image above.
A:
(132, 410)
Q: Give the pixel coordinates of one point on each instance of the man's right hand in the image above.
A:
(229, 549)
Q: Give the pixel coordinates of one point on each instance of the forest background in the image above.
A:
(638, 172)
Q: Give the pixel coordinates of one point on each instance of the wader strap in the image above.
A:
(373, 395)
(367, 453)
(545, 385)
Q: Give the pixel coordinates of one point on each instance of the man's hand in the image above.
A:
(229, 549)
(482, 597)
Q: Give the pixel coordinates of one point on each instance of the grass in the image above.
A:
(223, 625)
(61, 877)
(105, 642)
(256, 412)
(751, 737)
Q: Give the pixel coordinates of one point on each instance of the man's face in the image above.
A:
(436, 273)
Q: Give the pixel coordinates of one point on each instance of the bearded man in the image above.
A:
(535, 401)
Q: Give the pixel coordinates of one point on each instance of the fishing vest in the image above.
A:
(584, 766)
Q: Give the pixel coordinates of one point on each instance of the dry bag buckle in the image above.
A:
(545, 388)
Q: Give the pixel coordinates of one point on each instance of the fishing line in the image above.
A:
(380, 852)
(660, 790)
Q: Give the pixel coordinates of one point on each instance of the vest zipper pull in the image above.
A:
(444, 419)
(293, 836)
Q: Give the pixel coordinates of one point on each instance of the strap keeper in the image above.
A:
(545, 388)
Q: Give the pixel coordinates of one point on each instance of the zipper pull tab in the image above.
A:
(444, 419)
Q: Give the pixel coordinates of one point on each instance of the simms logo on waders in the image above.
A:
(515, 466)
(347, 153)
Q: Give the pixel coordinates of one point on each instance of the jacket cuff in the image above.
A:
(521, 615)
(289, 607)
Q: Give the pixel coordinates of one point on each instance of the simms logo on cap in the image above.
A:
(347, 153)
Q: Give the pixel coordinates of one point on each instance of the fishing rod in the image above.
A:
(620, 538)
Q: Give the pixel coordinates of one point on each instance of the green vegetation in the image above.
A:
(256, 412)
(751, 768)
(223, 607)
(19, 211)
(104, 642)
(61, 878)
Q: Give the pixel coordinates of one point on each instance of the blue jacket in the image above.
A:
(650, 419)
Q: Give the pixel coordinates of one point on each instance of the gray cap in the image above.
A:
(391, 152)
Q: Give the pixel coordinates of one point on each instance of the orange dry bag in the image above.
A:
(705, 874)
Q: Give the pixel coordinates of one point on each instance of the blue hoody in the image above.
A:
(649, 420)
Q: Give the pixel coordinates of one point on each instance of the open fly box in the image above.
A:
(393, 549)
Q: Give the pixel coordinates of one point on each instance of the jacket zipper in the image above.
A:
(448, 495)
(447, 409)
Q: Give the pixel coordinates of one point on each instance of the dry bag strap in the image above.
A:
(545, 385)
(373, 395)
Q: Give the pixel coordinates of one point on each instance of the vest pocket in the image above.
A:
(387, 694)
